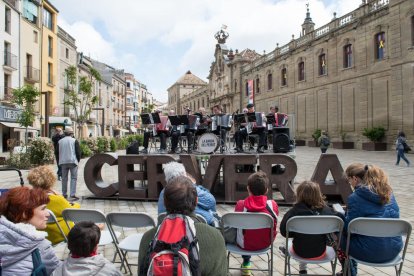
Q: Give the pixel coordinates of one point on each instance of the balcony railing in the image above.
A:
(32, 74)
(10, 60)
(6, 94)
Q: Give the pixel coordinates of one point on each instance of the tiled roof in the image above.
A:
(189, 78)
(248, 54)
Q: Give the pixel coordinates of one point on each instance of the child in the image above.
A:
(309, 202)
(257, 186)
(83, 242)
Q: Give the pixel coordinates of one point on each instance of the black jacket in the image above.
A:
(306, 246)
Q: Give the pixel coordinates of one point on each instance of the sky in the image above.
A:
(160, 40)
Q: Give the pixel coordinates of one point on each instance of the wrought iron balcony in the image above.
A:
(10, 60)
(7, 94)
(32, 74)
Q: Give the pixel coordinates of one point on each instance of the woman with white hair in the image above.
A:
(206, 205)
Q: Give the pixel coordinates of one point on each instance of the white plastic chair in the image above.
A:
(379, 227)
(312, 225)
(52, 219)
(249, 221)
(128, 220)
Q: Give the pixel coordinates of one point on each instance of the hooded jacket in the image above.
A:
(18, 241)
(259, 238)
(90, 266)
(365, 203)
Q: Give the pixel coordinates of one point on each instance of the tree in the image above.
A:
(148, 109)
(26, 97)
(80, 95)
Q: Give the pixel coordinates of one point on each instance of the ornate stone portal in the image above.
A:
(225, 175)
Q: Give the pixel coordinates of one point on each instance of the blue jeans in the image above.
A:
(401, 155)
(73, 168)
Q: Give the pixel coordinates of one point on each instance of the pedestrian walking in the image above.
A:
(55, 139)
(401, 147)
(69, 157)
(324, 141)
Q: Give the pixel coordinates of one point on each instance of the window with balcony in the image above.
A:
(283, 77)
(7, 20)
(380, 46)
(322, 65)
(30, 11)
(348, 56)
(50, 46)
(269, 81)
(301, 71)
(47, 19)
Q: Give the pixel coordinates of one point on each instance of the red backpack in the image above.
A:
(174, 249)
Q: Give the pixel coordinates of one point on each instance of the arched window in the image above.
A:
(301, 71)
(380, 46)
(269, 81)
(322, 65)
(284, 77)
(348, 56)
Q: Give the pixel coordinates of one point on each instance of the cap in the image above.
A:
(250, 105)
(68, 130)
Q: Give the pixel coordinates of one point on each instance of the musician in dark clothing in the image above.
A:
(55, 139)
(242, 133)
(158, 133)
(220, 131)
(175, 134)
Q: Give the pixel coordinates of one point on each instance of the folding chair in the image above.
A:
(162, 216)
(52, 219)
(312, 225)
(96, 216)
(381, 228)
(131, 242)
(249, 221)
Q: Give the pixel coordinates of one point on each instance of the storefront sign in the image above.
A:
(9, 114)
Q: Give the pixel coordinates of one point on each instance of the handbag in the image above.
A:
(406, 147)
(39, 268)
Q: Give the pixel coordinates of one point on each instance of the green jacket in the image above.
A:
(213, 258)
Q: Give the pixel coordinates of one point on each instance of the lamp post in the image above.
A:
(103, 118)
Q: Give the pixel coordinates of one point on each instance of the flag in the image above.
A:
(250, 91)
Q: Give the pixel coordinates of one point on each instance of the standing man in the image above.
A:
(55, 139)
(69, 157)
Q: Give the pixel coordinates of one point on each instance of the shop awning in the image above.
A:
(60, 120)
(19, 128)
(123, 130)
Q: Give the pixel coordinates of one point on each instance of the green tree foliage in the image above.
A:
(80, 96)
(26, 97)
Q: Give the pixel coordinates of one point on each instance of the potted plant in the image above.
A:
(375, 135)
(343, 144)
(316, 134)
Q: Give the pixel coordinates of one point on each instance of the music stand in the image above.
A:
(251, 117)
(183, 119)
(146, 119)
(270, 119)
(240, 118)
(156, 118)
(174, 120)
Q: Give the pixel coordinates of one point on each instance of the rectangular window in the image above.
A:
(380, 46)
(35, 37)
(47, 19)
(7, 20)
(247, 89)
(348, 56)
(269, 82)
(322, 65)
(257, 85)
(50, 46)
(30, 11)
(67, 53)
(412, 30)
(49, 74)
(301, 71)
(284, 77)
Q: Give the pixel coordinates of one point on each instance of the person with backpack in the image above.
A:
(24, 249)
(83, 260)
(180, 237)
(324, 141)
(309, 202)
(402, 147)
(256, 202)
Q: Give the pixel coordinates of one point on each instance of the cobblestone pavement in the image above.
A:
(401, 178)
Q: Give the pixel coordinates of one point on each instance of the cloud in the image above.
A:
(159, 40)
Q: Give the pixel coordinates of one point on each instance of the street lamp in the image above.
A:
(103, 118)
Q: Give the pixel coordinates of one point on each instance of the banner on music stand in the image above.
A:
(250, 91)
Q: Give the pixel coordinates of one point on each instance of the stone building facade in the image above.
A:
(355, 72)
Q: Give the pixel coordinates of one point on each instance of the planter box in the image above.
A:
(343, 145)
(313, 144)
(374, 146)
(300, 143)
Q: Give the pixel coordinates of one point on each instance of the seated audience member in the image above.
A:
(23, 212)
(309, 202)
(43, 178)
(206, 205)
(83, 240)
(372, 197)
(256, 202)
(180, 197)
